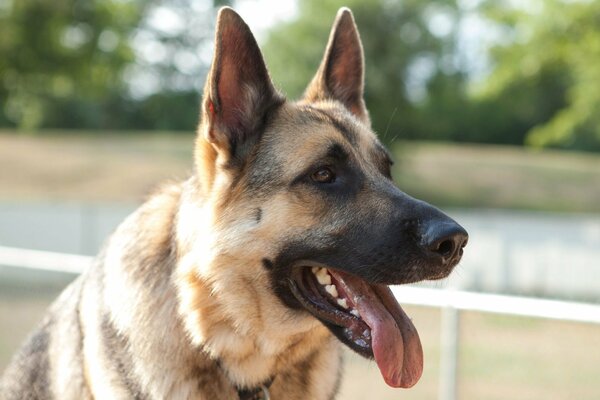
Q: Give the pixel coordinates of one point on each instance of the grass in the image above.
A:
(126, 167)
(500, 357)
(90, 168)
(499, 177)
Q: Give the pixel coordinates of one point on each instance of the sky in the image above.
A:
(260, 15)
(475, 35)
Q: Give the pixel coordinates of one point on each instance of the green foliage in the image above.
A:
(61, 51)
(549, 71)
(453, 112)
(542, 90)
(71, 64)
(397, 40)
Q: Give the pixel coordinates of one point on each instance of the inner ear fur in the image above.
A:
(341, 73)
(238, 91)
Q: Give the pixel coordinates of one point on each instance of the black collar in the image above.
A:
(257, 393)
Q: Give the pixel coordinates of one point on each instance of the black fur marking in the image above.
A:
(306, 367)
(337, 153)
(117, 349)
(345, 130)
(259, 213)
(27, 377)
(268, 264)
(338, 378)
(349, 178)
(383, 160)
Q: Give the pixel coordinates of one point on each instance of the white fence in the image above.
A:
(43, 260)
(450, 301)
(453, 301)
(554, 255)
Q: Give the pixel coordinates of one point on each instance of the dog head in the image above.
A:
(299, 202)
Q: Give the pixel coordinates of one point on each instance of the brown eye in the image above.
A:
(323, 175)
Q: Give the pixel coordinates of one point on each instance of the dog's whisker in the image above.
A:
(389, 123)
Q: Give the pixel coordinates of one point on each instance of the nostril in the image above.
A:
(445, 248)
(446, 240)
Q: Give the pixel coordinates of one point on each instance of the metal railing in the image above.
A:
(453, 301)
(44, 260)
(450, 301)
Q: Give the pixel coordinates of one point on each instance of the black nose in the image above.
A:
(445, 238)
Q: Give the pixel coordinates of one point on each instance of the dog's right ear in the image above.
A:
(237, 95)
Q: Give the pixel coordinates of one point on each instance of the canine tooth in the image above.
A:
(323, 277)
(343, 303)
(315, 270)
(332, 290)
(355, 312)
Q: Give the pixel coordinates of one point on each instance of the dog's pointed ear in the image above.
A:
(341, 73)
(238, 90)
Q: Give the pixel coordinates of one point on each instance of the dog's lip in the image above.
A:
(307, 292)
(383, 331)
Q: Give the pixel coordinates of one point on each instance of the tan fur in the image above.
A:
(216, 291)
(180, 304)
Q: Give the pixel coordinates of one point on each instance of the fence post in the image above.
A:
(449, 353)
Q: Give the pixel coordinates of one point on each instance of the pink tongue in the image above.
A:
(394, 339)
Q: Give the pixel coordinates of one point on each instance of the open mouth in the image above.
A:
(366, 317)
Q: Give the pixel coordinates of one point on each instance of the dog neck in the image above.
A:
(210, 315)
(237, 321)
(228, 307)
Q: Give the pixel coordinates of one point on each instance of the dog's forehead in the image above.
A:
(303, 132)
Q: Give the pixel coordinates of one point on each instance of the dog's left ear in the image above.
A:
(341, 73)
(238, 91)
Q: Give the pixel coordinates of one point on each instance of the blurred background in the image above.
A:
(489, 107)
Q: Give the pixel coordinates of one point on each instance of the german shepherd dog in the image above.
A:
(241, 282)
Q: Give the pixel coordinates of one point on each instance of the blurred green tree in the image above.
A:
(408, 45)
(139, 64)
(546, 78)
(103, 64)
(57, 58)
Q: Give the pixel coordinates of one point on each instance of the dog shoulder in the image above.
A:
(27, 377)
(50, 356)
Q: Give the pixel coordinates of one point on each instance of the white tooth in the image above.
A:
(343, 303)
(332, 290)
(355, 312)
(315, 270)
(324, 279)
